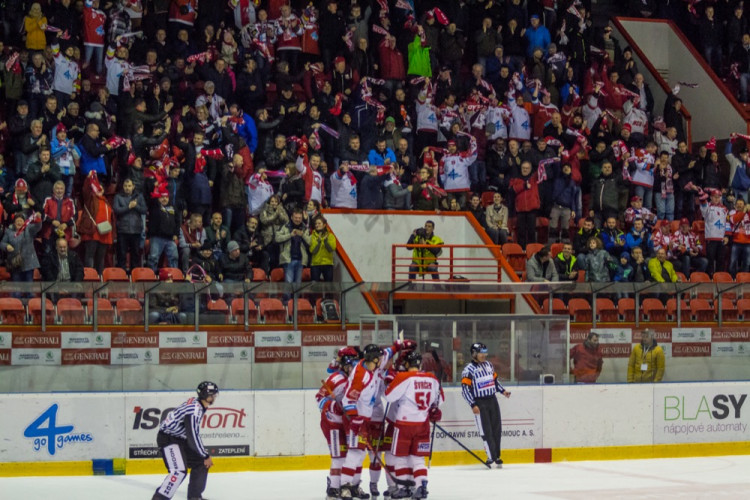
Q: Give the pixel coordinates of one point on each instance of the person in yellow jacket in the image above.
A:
(34, 25)
(646, 362)
(424, 259)
(322, 248)
(662, 271)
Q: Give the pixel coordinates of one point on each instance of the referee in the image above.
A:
(479, 383)
(181, 445)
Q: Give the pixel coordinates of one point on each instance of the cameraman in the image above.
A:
(424, 259)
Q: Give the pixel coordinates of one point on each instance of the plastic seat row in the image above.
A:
(651, 309)
(272, 311)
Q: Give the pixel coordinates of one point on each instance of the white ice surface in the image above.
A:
(712, 478)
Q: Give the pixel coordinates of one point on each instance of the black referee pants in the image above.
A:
(490, 425)
(178, 457)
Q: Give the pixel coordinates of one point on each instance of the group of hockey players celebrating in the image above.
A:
(395, 434)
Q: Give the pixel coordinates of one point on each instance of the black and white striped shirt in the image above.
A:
(479, 380)
(185, 422)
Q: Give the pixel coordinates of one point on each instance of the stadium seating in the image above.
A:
(305, 312)
(606, 310)
(12, 311)
(238, 311)
(129, 311)
(105, 311)
(272, 311)
(35, 311)
(70, 312)
(580, 310)
(653, 310)
(558, 307)
(626, 308)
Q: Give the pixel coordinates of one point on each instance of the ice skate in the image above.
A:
(488, 462)
(421, 492)
(401, 492)
(333, 494)
(357, 492)
(499, 463)
(389, 492)
(345, 491)
(374, 490)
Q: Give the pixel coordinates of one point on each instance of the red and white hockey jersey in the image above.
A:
(93, 25)
(498, 116)
(183, 12)
(715, 217)
(454, 168)
(689, 241)
(520, 122)
(314, 185)
(426, 116)
(415, 392)
(343, 190)
(330, 395)
(363, 390)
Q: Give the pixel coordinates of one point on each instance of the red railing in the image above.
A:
(475, 263)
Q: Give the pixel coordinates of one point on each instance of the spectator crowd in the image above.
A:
(182, 133)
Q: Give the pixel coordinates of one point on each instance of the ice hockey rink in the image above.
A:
(684, 478)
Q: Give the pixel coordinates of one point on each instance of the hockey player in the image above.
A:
(416, 396)
(332, 418)
(479, 383)
(181, 446)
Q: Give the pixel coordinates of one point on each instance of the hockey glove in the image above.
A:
(435, 414)
(404, 345)
(359, 426)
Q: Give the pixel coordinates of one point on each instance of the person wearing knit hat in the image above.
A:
(234, 265)
(165, 306)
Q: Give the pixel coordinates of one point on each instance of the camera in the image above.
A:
(421, 232)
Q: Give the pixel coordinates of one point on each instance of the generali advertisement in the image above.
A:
(704, 413)
(226, 429)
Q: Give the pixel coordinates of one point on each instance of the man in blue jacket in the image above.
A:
(381, 155)
(244, 126)
(537, 35)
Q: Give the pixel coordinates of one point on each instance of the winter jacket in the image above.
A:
(604, 193)
(272, 221)
(162, 221)
(739, 178)
(370, 193)
(598, 265)
(286, 240)
(237, 269)
(419, 59)
(50, 267)
(614, 240)
(40, 184)
(92, 156)
(322, 248)
(527, 198)
(658, 271)
(129, 220)
(565, 267)
(652, 357)
(23, 244)
(643, 240)
(232, 188)
(536, 271)
(396, 197)
(496, 217)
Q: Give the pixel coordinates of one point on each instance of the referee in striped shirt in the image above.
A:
(181, 447)
(479, 383)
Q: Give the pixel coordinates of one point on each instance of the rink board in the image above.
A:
(46, 434)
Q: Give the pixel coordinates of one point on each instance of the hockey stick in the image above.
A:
(462, 445)
(440, 382)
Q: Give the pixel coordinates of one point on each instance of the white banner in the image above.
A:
(700, 414)
(182, 339)
(521, 418)
(226, 430)
(278, 339)
(85, 340)
(614, 335)
(6, 340)
(40, 427)
(35, 357)
(691, 335)
(223, 355)
(319, 354)
(134, 356)
(730, 349)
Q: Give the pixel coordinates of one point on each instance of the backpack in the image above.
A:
(330, 310)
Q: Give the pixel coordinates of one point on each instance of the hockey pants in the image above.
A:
(179, 457)
(490, 425)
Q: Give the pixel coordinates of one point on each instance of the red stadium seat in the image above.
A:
(722, 277)
(259, 274)
(555, 249)
(35, 311)
(515, 256)
(488, 197)
(176, 273)
(653, 310)
(700, 277)
(606, 310)
(626, 308)
(533, 248)
(238, 311)
(130, 311)
(91, 274)
(558, 307)
(70, 312)
(305, 312)
(580, 310)
(685, 311)
(143, 274)
(702, 310)
(728, 311)
(114, 274)
(272, 311)
(105, 311)
(277, 275)
(12, 311)
(743, 308)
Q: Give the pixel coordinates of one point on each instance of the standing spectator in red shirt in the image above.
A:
(93, 35)
(527, 202)
(587, 360)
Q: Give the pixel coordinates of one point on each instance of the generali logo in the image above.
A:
(22, 340)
